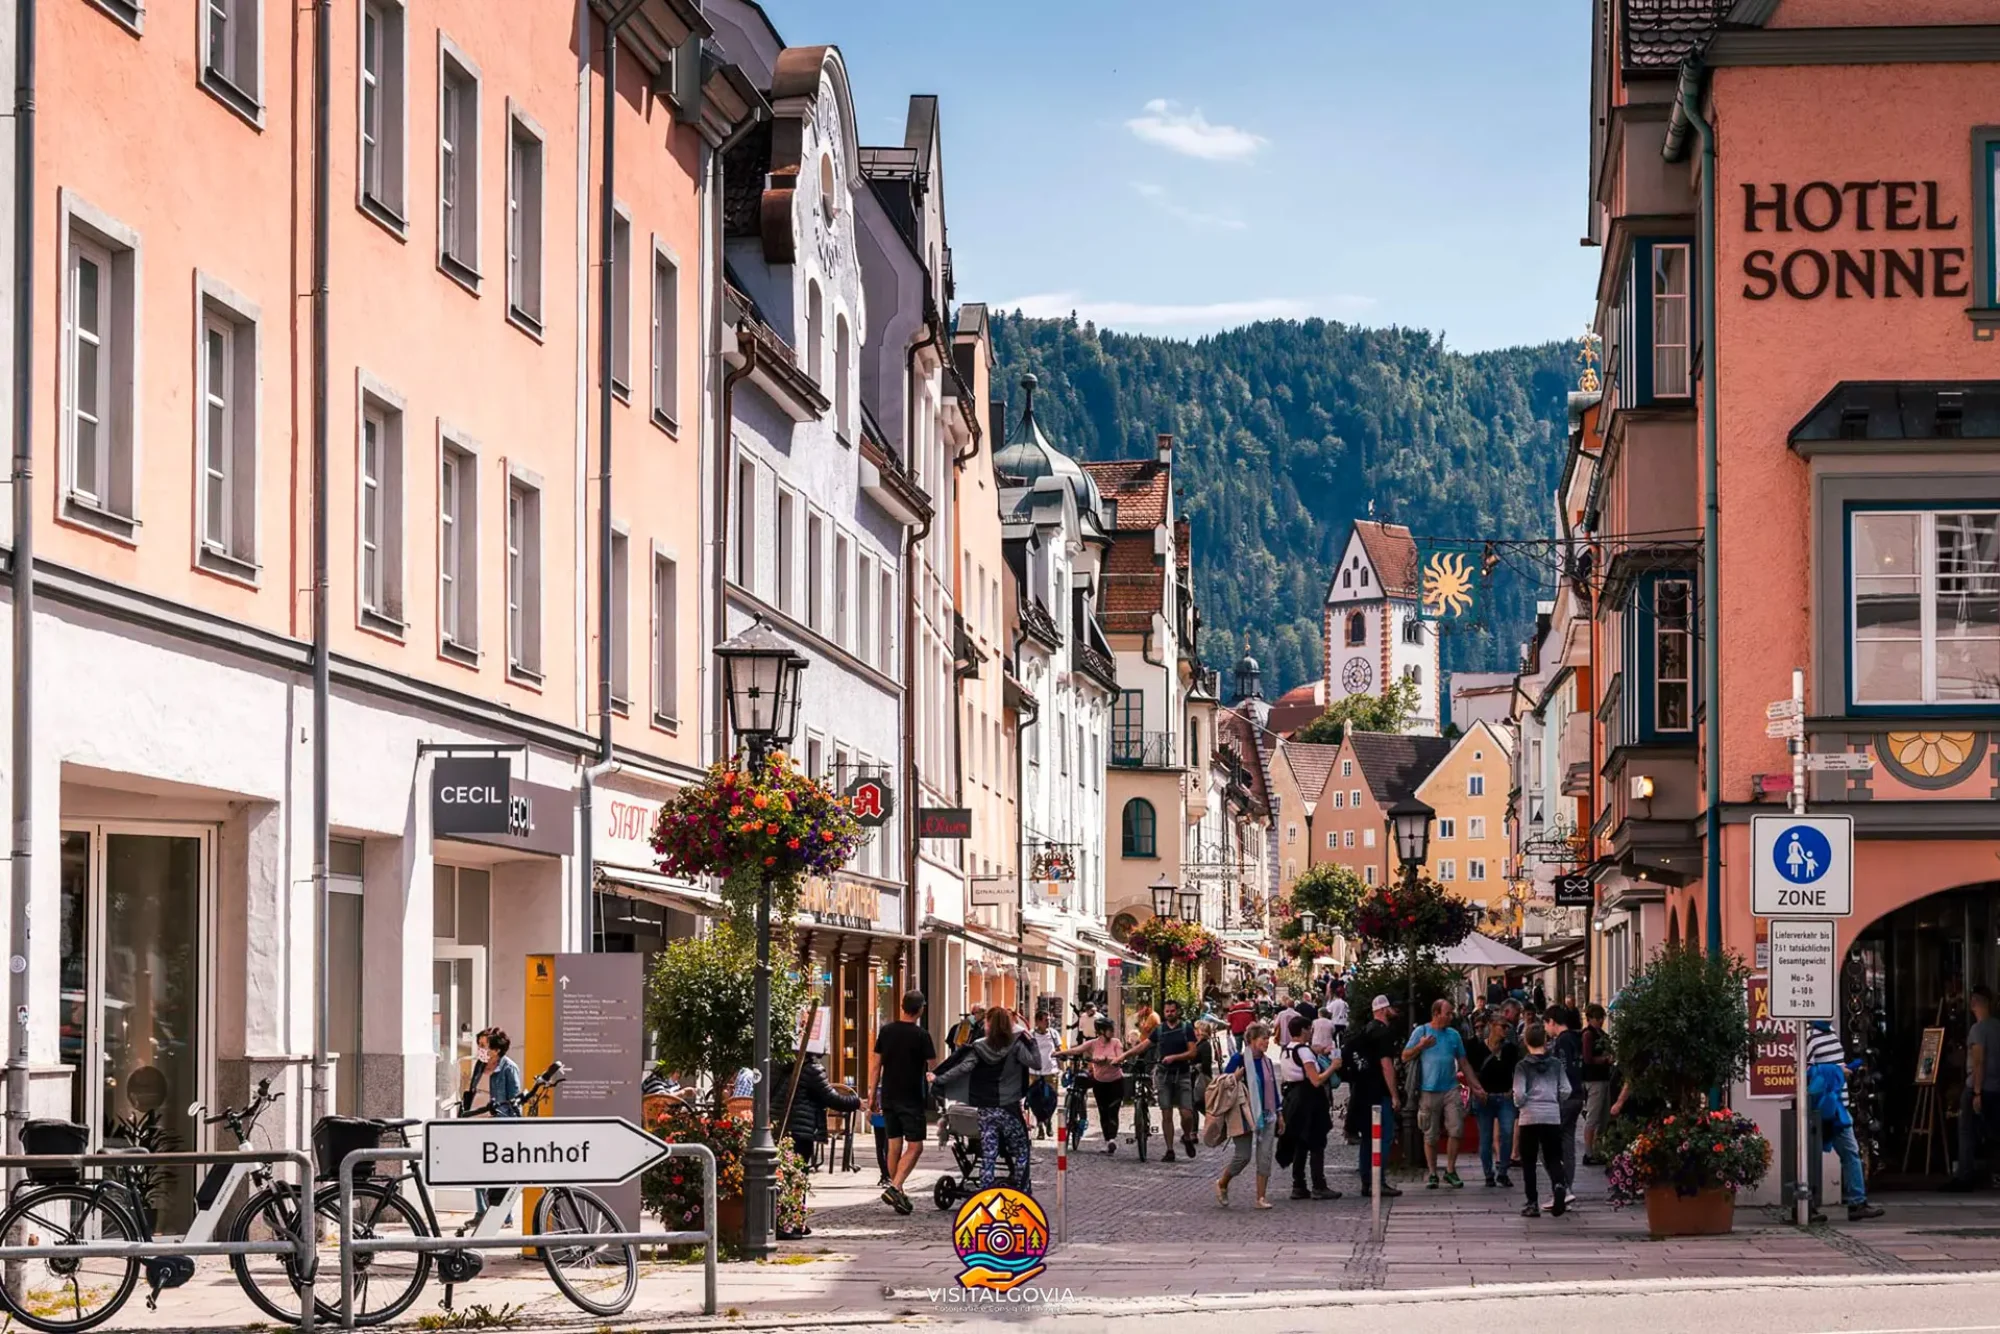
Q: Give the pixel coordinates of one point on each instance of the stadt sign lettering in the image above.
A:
(1885, 245)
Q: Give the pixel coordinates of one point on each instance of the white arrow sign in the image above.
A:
(1784, 728)
(537, 1151)
(1840, 761)
(1783, 708)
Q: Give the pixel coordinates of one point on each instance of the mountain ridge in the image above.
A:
(1285, 431)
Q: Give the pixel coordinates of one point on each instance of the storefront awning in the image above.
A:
(973, 935)
(1107, 948)
(652, 887)
(1236, 952)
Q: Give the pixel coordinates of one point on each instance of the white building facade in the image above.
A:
(1374, 636)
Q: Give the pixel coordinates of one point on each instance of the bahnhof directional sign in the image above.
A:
(537, 1151)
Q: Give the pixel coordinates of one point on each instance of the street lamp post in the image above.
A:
(760, 672)
(1410, 828)
(1163, 891)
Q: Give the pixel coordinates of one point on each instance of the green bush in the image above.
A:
(1682, 1027)
(698, 1003)
(1180, 986)
(1386, 974)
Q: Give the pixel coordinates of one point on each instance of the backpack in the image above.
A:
(1042, 1100)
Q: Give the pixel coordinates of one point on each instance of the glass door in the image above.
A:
(133, 924)
(458, 1013)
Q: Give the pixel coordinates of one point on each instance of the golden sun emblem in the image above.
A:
(1931, 754)
(1447, 585)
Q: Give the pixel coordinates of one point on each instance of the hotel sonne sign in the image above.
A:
(1885, 245)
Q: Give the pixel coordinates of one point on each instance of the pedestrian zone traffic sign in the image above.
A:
(1802, 865)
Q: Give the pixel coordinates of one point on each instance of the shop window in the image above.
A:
(1139, 829)
(1924, 607)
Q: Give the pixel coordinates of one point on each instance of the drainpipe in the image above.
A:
(606, 226)
(22, 882)
(321, 524)
(1687, 115)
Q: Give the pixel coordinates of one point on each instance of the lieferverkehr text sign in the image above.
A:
(537, 1151)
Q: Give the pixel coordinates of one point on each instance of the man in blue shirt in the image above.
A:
(1440, 1055)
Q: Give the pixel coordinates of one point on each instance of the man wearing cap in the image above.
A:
(1374, 1085)
(1826, 1087)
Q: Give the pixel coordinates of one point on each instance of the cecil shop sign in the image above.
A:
(1880, 241)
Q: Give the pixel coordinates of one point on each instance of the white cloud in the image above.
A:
(1189, 317)
(1195, 218)
(1188, 133)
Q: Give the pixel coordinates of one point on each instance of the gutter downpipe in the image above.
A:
(914, 605)
(321, 526)
(21, 884)
(1687, 115)
(606, 225)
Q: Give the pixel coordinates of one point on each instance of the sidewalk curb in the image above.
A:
(1293, 1298)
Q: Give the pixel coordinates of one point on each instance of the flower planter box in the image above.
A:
(1706, 1213)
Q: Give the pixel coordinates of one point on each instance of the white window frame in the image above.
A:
(1368, 838)
(1354, 798)
(885, 636)
(1674, 383)
(784, 551)
(231, 61)
(524, 576)
(841, 631)
(111, 508)
(621, 619)
(1332, 839)
(1347, 768)
(458, 142)
(1662, 634)
(379, 494)
(527, 219)
(815, 328)
(1475, 785)
(1340, 801)
(231, 551)
(1447, 827)
(666, 640)
(1347, 838)
(1926, 577)
(843, 397)
(1475, 868)
(1368, 875)
(666, 339)
(1475, 826)
(458, 546)
(1447, 870)
(743, 549)
(815, 575)
(621, 302)
(864, 607)
(381, 177)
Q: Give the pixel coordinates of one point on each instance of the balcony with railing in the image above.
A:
(1142, 750)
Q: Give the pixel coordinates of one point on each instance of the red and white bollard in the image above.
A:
(1375, 1171)
(1062, 1170)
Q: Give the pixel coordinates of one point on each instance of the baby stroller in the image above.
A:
(959, 1131)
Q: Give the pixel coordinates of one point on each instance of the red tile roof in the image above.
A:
(1393, 553)
(1138, 489)
(1297, 707)
(1310, 766)
(1396, 765)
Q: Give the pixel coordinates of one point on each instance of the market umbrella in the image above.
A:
(1477, 951)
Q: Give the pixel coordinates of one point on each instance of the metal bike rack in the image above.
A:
(349, 1246)
(302, 1247)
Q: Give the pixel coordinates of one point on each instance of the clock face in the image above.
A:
(1357, 676)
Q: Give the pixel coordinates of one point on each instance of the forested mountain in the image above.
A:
(1286, 430)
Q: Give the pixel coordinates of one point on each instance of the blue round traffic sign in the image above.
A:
(1802, 854)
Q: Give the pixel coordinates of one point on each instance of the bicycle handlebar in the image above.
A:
(246, 1115)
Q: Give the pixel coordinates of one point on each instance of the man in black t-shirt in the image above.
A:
(1173, 1041)
(1372, 1083)
(904, 1052)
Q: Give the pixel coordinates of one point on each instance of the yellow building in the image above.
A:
(1469, 852)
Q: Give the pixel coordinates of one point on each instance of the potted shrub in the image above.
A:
(1680, 1028)
(672, 1192)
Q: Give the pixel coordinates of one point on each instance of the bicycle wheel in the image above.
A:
(385, 1282)
(69, 1293)
(1142, 1129)
(600, 1279)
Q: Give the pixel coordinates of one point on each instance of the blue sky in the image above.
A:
(1177, 167)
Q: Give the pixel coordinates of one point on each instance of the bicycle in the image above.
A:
(601, 1280)
(1143, 1102)
(56, 1205)
(1076, 1111)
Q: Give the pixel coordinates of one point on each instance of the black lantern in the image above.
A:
(1308, 921)
(1190, 905)
(1410, 826)
(760, 676)
(1163, 897)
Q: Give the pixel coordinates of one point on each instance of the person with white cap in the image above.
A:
(1373, 1084)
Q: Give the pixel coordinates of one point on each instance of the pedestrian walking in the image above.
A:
(1208, 1058)
(1440, 1055)
(1172, 1047)
(812, 1097)
(1106, 1055)
(1370, 1062)
(905, 1051)
(1338, 1012)
(1826, 1087)
(1242, 1014)
(1044, 1095)
(1596, 1082)
(1253, 1139)
(1566, 1045)
(1002, 1060)
(1305, 1075)
(1979, 1105)
(1539, 997)
(495, 1082)
(1495, 1113)
(1540, 1087)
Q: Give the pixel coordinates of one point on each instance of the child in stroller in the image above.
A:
(958, 1130)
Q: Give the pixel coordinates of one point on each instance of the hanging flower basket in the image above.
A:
(1182, 942)
(740, 825)
(1423, 916)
